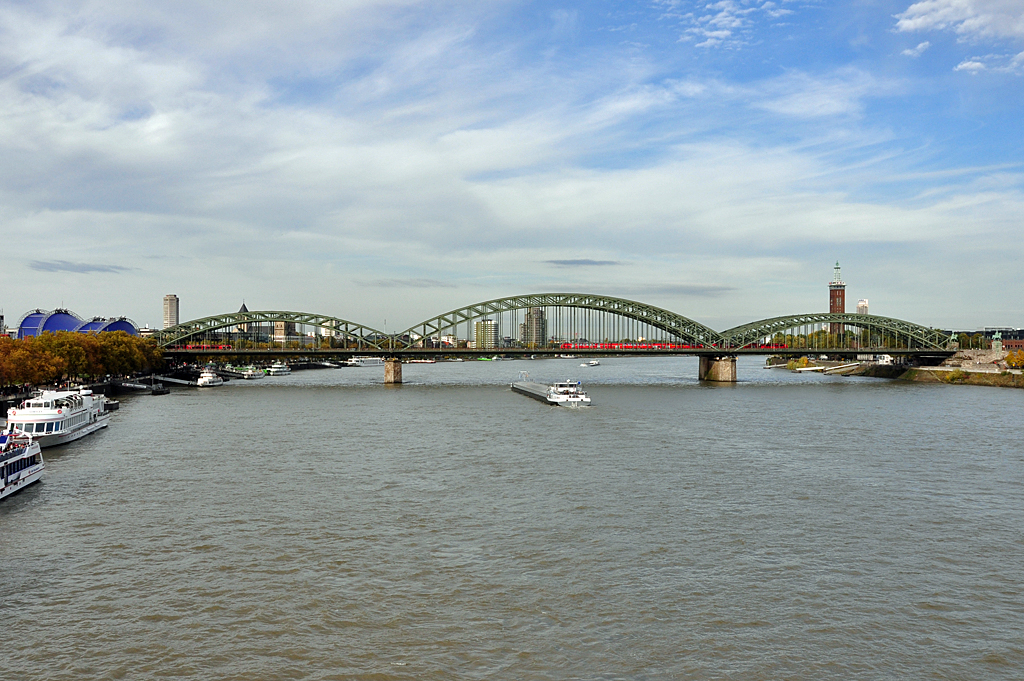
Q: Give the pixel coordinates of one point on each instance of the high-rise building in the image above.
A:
(862, 306)
(534, 328)
(170, 310)
(836, 299)
(486, 335)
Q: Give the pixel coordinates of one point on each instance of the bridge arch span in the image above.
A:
(677, 327)
(200, 329)
(870, 330)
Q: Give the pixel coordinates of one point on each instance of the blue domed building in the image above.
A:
(43, 321)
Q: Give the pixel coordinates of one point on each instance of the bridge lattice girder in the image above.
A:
(351, 331)
(686, 330)
(917, 336)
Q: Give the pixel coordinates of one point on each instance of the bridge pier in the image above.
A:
(392, 371)
(718, 369)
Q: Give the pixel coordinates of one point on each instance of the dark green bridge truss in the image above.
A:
(198, 329)
(684, 330)
(593, 314)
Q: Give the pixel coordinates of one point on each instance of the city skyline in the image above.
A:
(378, 160)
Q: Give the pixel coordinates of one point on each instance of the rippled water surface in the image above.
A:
(324, 526)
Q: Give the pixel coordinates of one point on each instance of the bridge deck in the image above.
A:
(521, 353)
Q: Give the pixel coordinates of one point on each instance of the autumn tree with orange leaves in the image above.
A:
(54, 357)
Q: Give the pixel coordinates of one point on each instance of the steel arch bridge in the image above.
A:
(363, 336)
(681, 335)
(681, 328)
(903, 334)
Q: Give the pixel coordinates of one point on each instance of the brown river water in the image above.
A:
(324, 526)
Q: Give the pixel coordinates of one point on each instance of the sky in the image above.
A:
(386, 161)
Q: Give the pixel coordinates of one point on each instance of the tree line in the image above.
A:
(61, 356)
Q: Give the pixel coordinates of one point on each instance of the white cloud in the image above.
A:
(970, 19)
(726, 23)
(997, 63)
(916, 51)
(285, 155)
(841, 93)
(970, 65)
(974, 21)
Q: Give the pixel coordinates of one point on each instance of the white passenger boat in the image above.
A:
(591, 363)
(365, 362)
(56, 417)
(278, 369)
(249, 373)
(21, 463)
(564, 394)
(209, 379)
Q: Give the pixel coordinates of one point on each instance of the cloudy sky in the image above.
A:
(393, 159)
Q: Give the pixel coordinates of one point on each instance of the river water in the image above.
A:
(325, 526)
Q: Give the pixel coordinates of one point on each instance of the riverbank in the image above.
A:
(998, 379)
(969, 367)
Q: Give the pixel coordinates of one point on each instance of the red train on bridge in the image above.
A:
(658, 346)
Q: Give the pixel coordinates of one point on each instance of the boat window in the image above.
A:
(49, 427)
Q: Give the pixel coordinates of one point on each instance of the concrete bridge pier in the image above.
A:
(718, 369)
(392, 371)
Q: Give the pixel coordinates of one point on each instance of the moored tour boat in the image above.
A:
(279, 369)
(21, 462)
(365, 362)
(209, 379)
(247, 372)
(56, 417)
